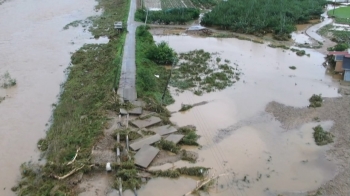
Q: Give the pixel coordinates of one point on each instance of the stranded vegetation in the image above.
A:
(203, 72)
(321, 136)
(6, 81)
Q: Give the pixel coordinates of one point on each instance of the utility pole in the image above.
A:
(146, 17)
(167, 82)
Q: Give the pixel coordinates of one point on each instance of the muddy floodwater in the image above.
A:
(35, 50)
(242, 141)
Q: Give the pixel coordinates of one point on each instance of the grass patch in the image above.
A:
(322, 137)
(342, 12)
(148, 86)
(292, 67)
(315, 101)
(80, 115)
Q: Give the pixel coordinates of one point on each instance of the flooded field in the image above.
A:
(35, 50)
(241, 140)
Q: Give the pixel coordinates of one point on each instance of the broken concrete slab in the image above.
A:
(164, 130)
(123, 111)
(146, 122)
(145, 155)
(136, 111)
(145, 141)
(174, 138)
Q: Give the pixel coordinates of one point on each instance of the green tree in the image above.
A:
(161, 53)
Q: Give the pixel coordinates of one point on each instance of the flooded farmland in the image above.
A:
(255, 154)
(35, 50)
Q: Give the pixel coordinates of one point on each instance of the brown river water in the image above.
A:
(35, 50)
(239, 139)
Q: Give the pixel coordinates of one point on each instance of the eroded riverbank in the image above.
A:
(259, 155)
(35, 50)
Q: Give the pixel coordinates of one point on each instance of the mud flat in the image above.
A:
(255, 151)
(336, 110)
(35, 50)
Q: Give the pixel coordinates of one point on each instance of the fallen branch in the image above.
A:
(76, 154)
(204, 183)
(69, 173)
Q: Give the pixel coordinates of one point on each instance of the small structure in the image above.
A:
(118, 25)
(342, 63)
(198, 29)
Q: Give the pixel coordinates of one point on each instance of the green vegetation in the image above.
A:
(175, 15)
(341, 14)
(322, 137)
(292, 67)
(315, 101)
(200, 72)
(190, 139)
(299, 52)
(340, 37)
(168, 145)
(80, 115)
(278, 46)
(127, 171)
(161, 54)
(338, 47)
(149, 87)
(190, 135)
(189, 171)
(6, 81)
(188, 157)
(185, 107)
(260, 17)
(42, 144)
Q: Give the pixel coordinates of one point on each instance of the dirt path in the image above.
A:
(337, 110)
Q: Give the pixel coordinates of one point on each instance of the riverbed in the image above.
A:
(36, 51)
(256, 155)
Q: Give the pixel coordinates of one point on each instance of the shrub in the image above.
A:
(338, 47)
(322, 137)
(161, 53)
(315, 101)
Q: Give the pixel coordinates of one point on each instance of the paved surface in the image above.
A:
(147, 122)
(163, 130)
(145, 155)
(145, 141)
(127, 80)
